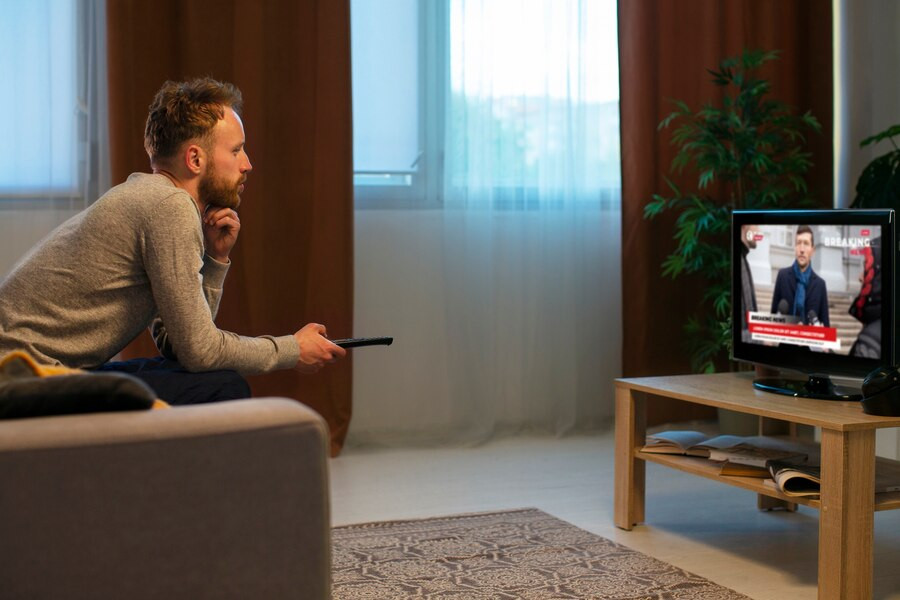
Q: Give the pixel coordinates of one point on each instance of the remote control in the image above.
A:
(357, 342)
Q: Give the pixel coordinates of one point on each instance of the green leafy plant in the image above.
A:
(879, 183)
(752, 148)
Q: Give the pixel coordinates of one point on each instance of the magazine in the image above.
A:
(759, 451)
(739, 470)
(690, 443)
(795, 479)
(747, 450)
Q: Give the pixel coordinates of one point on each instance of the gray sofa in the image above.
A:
(226, 500)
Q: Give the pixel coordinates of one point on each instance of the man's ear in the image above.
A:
(194, 158)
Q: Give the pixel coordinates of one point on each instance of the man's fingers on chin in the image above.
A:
(227, 223)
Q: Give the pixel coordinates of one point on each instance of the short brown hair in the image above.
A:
(187, 110)
(806, 229)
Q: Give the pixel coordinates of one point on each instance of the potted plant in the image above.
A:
(752, 148)
(879, 183)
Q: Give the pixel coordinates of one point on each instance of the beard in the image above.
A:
(216, 191)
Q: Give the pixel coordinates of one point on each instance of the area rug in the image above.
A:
(520, 554)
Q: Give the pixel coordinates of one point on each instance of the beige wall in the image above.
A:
(867, 85)
(867, 101)
(22, 227)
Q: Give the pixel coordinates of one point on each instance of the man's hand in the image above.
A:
(220, 231)
(315, 348)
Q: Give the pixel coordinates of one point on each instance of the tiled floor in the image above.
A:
(708, 528)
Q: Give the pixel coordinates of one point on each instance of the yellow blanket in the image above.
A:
(20, 364)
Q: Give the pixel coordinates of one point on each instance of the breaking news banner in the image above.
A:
(857, 245)
(787, 329)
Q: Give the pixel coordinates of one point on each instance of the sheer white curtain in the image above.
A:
(505, 301)
(54, 160)
(531, 219)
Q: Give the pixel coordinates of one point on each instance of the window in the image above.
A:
(507, 103)
(44, 51)
(397, 48)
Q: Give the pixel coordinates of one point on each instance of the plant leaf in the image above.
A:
(890, 132)
(752, 147)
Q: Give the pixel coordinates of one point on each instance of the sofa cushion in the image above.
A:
(72, 394)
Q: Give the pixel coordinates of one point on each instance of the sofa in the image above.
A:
(225, 500)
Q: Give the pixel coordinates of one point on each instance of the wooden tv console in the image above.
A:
(847, 501)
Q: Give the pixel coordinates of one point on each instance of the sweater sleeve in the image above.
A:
(213, 276)
(187, 288)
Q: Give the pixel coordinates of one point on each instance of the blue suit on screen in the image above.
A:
(816, 295)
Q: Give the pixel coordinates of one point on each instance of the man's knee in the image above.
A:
(233, 386)
(175, 385)
(203, 387)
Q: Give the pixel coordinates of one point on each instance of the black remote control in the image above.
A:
(357, 342)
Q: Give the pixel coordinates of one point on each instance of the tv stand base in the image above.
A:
(818, 387)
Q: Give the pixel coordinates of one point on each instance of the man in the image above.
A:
(798, 290)
(748, 293)
(154, 251)
(866, 307)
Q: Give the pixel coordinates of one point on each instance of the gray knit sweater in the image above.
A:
(134, 256)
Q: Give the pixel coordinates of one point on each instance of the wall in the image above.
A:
(867, 101)
(867, 91)
(22, 226)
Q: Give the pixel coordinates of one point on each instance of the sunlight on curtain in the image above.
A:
(533, 103)
(531, 224)
(504, 303)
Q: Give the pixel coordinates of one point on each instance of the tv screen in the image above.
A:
(813, 292)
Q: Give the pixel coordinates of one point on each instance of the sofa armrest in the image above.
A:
(223, 500)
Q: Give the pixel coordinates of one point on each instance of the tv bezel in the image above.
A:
(815, 363)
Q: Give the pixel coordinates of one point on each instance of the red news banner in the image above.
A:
(768, 327)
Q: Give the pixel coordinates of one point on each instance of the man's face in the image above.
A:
(227, 164)
(803, 249)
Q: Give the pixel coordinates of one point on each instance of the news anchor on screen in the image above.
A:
(798, 290)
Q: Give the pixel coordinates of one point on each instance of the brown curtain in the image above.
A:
(665, 48)
(293, 262)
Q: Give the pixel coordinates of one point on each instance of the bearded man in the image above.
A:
(154, 252)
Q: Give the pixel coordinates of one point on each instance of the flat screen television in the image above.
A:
(814, 293)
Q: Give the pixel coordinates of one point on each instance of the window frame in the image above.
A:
(427, 183)
(424, 188)
(47, 193)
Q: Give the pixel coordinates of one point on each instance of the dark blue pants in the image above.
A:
(176, 385)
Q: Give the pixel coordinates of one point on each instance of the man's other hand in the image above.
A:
(220, 231)
(315, 348)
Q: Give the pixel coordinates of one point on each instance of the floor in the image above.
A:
(707, 528)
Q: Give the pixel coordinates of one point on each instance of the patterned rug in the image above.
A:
(521, 554)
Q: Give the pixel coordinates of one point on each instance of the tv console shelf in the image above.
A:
(846, 516)
(704, 468)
